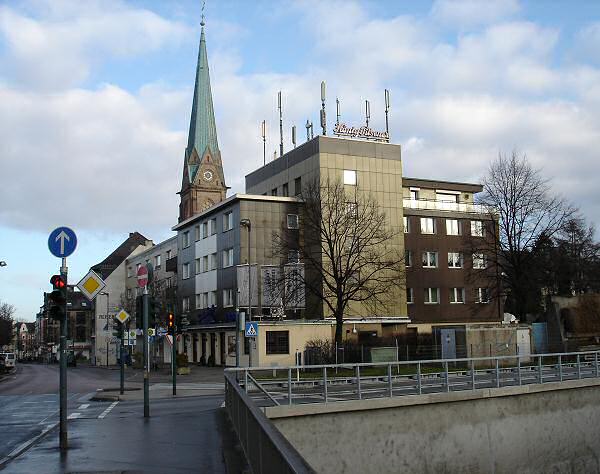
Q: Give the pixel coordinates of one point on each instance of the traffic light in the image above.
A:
(58, 297)
(171, 323)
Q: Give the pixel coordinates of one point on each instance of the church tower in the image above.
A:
(203, 181)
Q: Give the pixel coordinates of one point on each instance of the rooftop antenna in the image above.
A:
(312, 132)
(263, 131)
(323, 116)
(387, 108)
(367, 111)
(294, 136)
(307, 130)
(280, 124)
(337, 110)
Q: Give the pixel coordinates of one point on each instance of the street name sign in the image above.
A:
(252, 329)
(62, 242)
(91, 284)
(122, 316)
(142, 276)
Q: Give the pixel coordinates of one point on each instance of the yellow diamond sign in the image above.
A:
(91, 284)
(122, 316)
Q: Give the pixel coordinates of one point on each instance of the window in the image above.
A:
(157, 261)
(198, 269)
(212, 298)
(129, 272)
(477, 229)
(129, 293)
(427, 225)
(186, 239)
(205, 266)
(228, 297)
(294, 256)
(407, 258)
(432, 295)
(406, 225)
(204, 230)
(227, 258)
(455, 260)
(292, 221)
(352, 209)
(169, 253)
(285, 190)
(213, 226)
(274, 192)
(414, 194)
(446, 197)
(227, 221)
(430, 259)
(457, 295)
(197, 232)
(199, 301)
(350, 177)
(479, 261)
(186, 304)
(204, 300)
(481, 295)
(410, 299)
(278, 342)
(452, 227)
(213, 261)
(185, 270)
(297, 186)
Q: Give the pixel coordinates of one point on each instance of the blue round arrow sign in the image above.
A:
(62, 242)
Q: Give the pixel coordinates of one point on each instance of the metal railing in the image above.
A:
(266, 449)
(430, 205)
(344, 382)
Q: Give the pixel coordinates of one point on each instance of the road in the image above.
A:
(182, 435)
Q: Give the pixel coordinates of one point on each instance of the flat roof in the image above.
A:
(439, 184)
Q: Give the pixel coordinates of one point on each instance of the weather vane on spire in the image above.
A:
(202, 23)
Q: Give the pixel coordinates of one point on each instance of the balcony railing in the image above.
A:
(429, 205)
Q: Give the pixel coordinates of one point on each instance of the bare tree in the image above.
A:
(6, 322)
(348, 248)
(527, 212)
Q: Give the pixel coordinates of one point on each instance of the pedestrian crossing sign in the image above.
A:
(252, 329)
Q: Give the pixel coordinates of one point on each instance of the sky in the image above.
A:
(95, 101)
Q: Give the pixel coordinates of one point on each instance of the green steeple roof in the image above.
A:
(203, 130)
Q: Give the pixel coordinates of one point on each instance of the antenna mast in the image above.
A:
(280, 124)
(294, 136)
(263, 130)
(337, 110)
(323, 116)
(367, 111)
(387, 108)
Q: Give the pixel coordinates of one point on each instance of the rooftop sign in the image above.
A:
(342, 130)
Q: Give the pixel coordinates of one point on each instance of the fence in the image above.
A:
(265, 447)
(344, 382)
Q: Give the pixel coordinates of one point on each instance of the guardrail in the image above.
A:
(431, 205)
(266, 449)
(344, 382)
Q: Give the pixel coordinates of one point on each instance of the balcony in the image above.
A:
(429, 205)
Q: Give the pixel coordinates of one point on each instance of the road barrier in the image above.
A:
(266, 449)
(343, 382)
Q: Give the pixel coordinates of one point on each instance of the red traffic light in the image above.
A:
(58, 282)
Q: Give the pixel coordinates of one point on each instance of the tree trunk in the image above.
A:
(339, 325)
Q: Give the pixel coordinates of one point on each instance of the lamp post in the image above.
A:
(107, 321)
(246, 223)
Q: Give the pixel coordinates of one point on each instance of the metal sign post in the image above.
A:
(62, 242)
(122, 316)
(142, 278)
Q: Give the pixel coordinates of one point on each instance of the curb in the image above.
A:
(25, 446)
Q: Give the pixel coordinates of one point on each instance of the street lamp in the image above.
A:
(107, 321)
(246, 223)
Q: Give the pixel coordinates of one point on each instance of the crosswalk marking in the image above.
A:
(84, 406)
(72, 416)
(107, 411)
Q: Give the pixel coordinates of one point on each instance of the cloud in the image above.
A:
(587, 43)
(59, 51)
(471, 13)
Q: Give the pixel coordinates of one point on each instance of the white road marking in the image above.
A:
(84, 406)
(107, 411)
(22, 447)
(72, 416)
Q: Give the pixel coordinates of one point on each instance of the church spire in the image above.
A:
(203, 129)
(203, 183)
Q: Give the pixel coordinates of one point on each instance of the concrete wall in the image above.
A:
(533, 429)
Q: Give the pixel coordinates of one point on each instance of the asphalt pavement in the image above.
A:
(184, 433)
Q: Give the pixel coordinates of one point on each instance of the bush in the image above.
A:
(182, 360)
